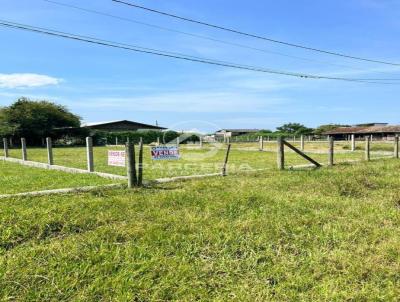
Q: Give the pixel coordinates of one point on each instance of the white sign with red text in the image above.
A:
(116, 158)
(165, 153)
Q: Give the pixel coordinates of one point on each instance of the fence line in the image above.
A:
(135, 177)
(61, 168)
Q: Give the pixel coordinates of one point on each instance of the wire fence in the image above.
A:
(208, 158)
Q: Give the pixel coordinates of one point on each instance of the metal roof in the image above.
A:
(92, 125)
(238, 130)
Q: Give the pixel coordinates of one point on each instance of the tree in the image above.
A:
(323, 128)
(264, 132)
(35, 120)
(5, 128)
(295, 129)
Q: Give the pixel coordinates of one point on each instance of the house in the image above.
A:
(120, 126)
(380, 131)
(234, 132)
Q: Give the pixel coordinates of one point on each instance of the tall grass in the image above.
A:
(324, 235)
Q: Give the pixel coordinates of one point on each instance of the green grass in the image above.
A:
(194, 161)
(324, 235)
(15, 178)
(323, 145)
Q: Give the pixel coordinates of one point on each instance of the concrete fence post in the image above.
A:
(331, 151)
(5, 143)
(49, 145)
(201, 141)
(367, 148)
(23, 148)
(353, 142)
(89, 154)
(281, 154)
(140, 164)
(158, 140)
(396, 146)
(261, 143)
(302, 142)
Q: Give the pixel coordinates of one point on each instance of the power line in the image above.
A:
(256, 36)
(180, 56)
(195, 35)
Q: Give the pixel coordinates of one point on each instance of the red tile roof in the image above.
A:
(364, 130)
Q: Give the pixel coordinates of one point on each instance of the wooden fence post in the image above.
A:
(261, 143)
(140, 166)
(23, 147)
(331, 151)
(89, 154)
(224, 167)
(201, 141)
(396, 146)
(367, 148)
(353, 142)
(49, 145)
(5, 143)
(130, 165)
(281, 154)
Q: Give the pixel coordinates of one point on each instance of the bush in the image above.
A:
(148, 136)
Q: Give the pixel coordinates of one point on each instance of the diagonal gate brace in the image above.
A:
(302, 154)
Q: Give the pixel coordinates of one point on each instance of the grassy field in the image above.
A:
(243, 157)
(15, 178)
(325, 235)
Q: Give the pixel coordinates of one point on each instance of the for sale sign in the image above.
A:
(165, 153)
(116, 158)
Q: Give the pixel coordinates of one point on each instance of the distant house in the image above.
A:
(120, 126)
(234, 132)
(376, 130)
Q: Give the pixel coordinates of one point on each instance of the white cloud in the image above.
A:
(26, 80)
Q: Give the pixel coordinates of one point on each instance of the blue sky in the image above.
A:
(102, 84)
